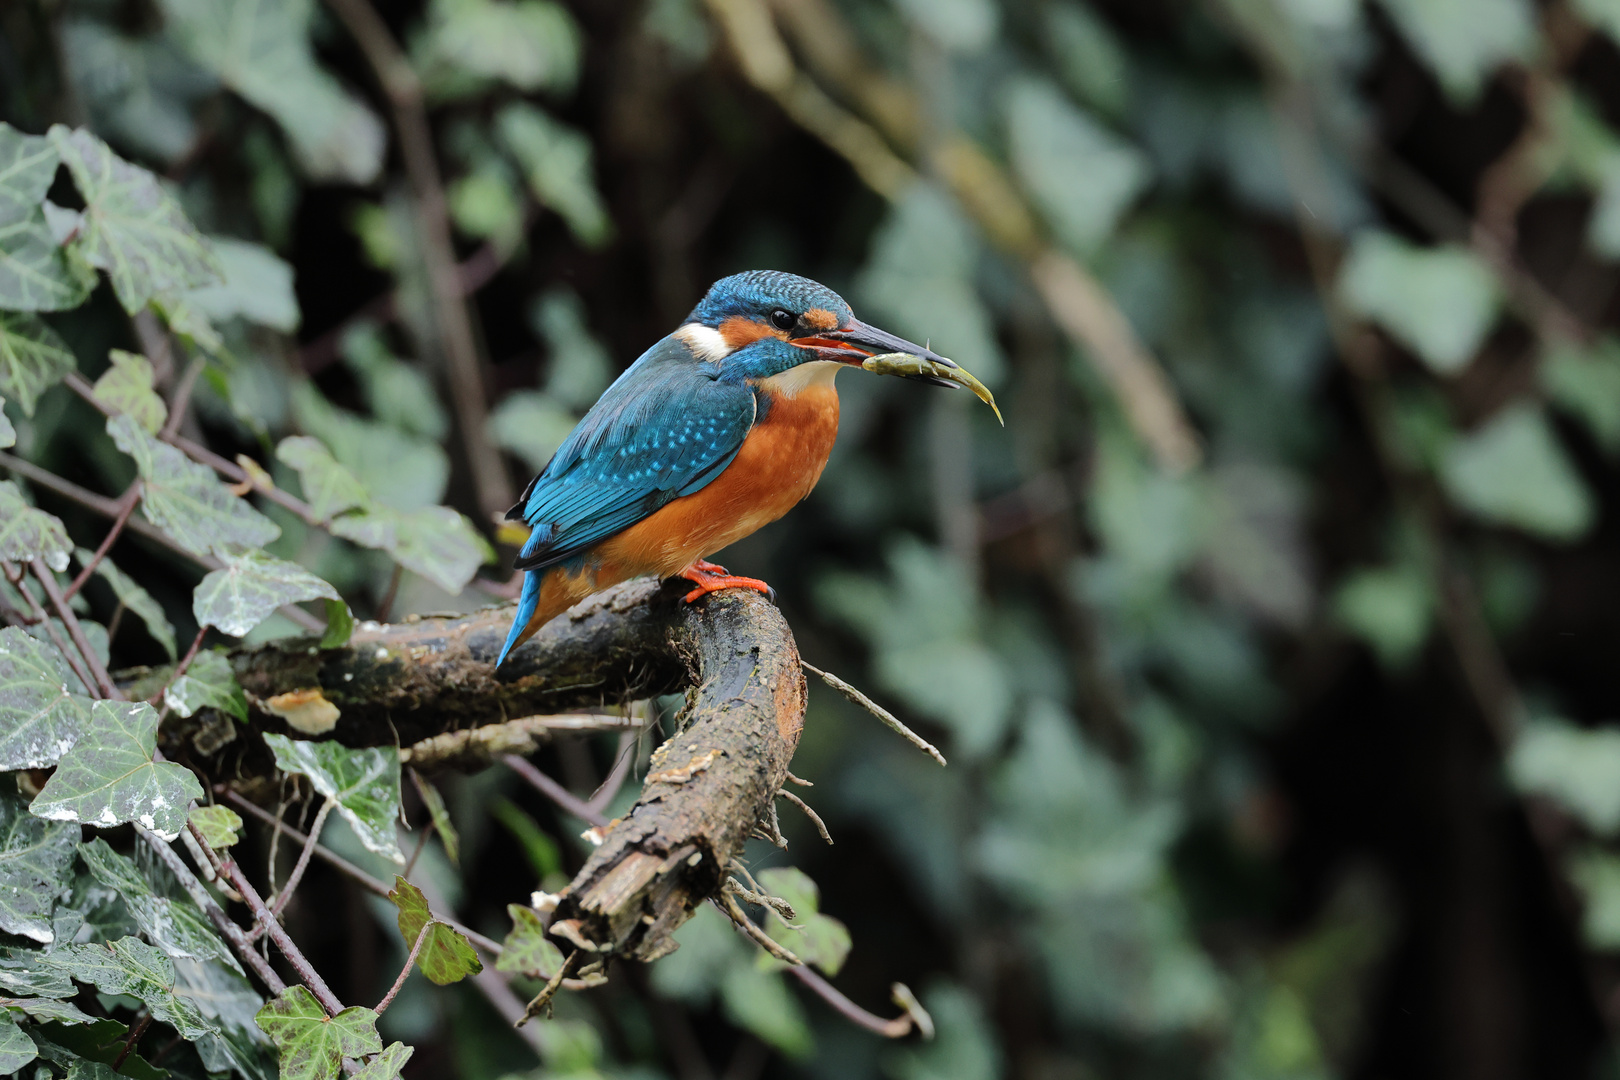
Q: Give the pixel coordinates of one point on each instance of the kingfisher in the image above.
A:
(717, 430)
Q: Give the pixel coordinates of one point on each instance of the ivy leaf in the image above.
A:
(135, 599)
(329, 488)
(109, 776)
(126, 387)
(34, 272)
(251, 585)
(8, 434)
(365, 784)
(815, 938)
(446, 956)
(33, 358)
(440, 814)
(531, 44)
(1438, 302)
(258, 287)
(43, 1009)
(16, 1048)
(339, 625)
(433, 541)
(219, 825)
(209, 683)
(131, 966)
(556, 162)
(1463, 40)
(1513, 471)
(312, 1044)
(185, 500)
(386, 1065)
(133, 228)
(527, 950)
(29, 533)
(262, 51)
(175, 926)
(40, 718)
(34, 860)
(228, 1001)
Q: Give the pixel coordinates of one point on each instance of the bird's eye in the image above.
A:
(782, 320)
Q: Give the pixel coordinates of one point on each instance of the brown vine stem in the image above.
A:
(897, 1028)
(404, 972)
(98, 670)
(126, 505)
(182, 397)
(464, 369)
(297, 875)
(41, 617)
(554, 791)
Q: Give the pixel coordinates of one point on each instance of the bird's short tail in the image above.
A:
(528, 601)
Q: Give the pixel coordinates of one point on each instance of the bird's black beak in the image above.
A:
(889, 354)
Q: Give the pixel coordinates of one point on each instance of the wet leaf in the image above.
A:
(209, 683)
(34, 271)
(35, 860)
(130, 966)
(250, 586)
(126, 387)
(133, 228)
(312, 1044)
(109, 776)
(46, 1009)
(225, 998)
(136, 599)
(446, 956)
(185, 500)
(175, 926)
(527, 950)
(40, 717)
(28, 533)
(16, 1048)
(220, 825)
(365, 784)
(33, 358)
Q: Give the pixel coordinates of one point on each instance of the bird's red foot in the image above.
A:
(711, 577)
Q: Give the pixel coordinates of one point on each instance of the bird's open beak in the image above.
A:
(889, 354)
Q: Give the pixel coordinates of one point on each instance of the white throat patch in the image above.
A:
(704, 341)
(814, 373)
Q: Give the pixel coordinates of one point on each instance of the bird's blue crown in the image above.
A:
(757, 293)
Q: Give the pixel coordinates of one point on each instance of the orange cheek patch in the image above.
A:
(821, 319)
(738, 331)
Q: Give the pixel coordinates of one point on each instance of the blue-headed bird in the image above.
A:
(717, 430)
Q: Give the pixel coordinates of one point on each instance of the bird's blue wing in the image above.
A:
(664, 429)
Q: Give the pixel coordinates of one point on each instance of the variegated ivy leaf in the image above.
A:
(527, 950)
(130, 966)
(36, 858)
(33, 358)
(28, 533)
(135, 599)
(312, 1044)
(34, 271)
(329, 487)
(41, 717)
(386, 1065)
(364, 783)
(185, 500)
(109, 776)
(47, 1009)
(220, 825)
(16, 1048)
(133, 228)
(228, 1001)
(433, 541)
(209, 683)
(126, 387)
(249, 587)
(175, 926)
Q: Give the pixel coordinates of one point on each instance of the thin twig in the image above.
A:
(821, 826)
(542, 1000)
(616, 778)
(236, 474)
(404, 972)
(98, 670)
(181, 399)
(132, 1038)
(42, 618)
(127, 503)
(297, 875)
(915, 1016)
(727, 902)
(554, 791)
(876, 710)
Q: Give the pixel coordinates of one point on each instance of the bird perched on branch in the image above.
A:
(715, 431)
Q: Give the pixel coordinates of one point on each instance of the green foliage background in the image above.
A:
(1270, 643)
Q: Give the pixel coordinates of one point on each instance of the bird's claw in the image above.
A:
(711, 577)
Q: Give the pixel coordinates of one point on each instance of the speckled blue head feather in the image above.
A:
(757, 292)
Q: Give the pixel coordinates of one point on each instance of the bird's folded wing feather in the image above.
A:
(665, 429)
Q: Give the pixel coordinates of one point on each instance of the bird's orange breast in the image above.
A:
(779, 463)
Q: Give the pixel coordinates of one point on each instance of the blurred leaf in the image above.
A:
(126, 387)
(1464, 40)
(1390, 608)
(527, 950)
(1051, 143)
(364, 783)
(16, 1048)
(220, 825)
(329, 488)
(139, 90)
(88, 1050)
(446, 956)
(530, 424)
(1603, 14)
(45, 1009)
(34, 272)
(959, 25)
(814, 938)
(709, 947)
(8, 434)
(260, 49)
(32, 358)
(397, 393)
(401, 470)
(28, 533)
(1596, 873)
(556, 162)
(133, 228)
(225, 998)
(135, 599)
(386, 1065)
(35, 863)
(433, 541)
(440, 816)
(312, 1044)
(1585, 383)
(964, 1049)
(761, 1002)
(175, 926)
(1089, 57)
(679, 25)
(258, 287)
(129, 966)
(249, 587)
(40, 717)
(1577, 768)
(1257, 550)
(1512, 471)
(1438, 302)
(209, 683)
(528, 44)
(109, 776)
(485, 204)
(184, 499)
(579, 368)
(339, 625)
(541, 850)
